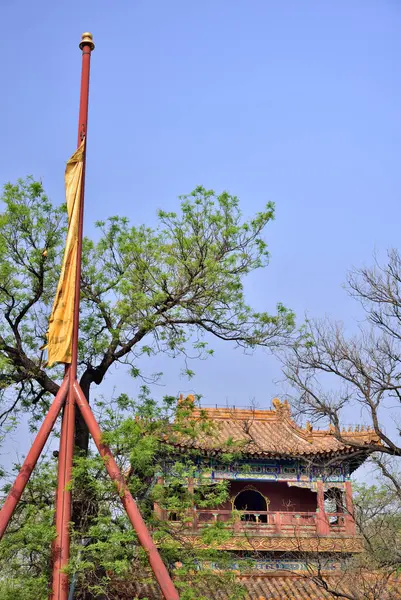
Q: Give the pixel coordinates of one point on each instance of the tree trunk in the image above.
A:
(90, 376)
(81, 430)
(84, 502)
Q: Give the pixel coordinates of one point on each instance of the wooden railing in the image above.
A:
(268, 522)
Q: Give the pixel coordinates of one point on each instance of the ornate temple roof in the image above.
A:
(272, 433)
(279, 586)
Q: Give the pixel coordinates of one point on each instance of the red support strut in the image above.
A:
(32, 458)
(158, 567)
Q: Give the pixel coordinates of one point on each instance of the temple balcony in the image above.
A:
(277, 517)
(278, 523)
(277, 531)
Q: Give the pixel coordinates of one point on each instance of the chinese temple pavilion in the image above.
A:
(290, 494)
(290, 500)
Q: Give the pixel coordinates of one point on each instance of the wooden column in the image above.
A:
(277, 522)
(322, 523)
(349, 520)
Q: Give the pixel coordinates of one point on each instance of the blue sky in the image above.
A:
(295, 102)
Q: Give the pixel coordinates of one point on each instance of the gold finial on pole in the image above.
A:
(87, 40)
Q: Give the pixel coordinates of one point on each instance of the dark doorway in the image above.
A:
(251, 500)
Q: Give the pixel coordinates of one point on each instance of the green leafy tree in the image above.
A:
(378, 517)
(170, 289)
(143, 290)
(107, 561)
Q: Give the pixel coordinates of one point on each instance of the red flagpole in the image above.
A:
(71, 393)
(61, 547)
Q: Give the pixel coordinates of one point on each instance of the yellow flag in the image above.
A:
(59, 337)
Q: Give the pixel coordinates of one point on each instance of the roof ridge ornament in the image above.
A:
(188, 400)
(282, 408)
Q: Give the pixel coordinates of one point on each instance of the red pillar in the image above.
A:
(349, 520)
(277, 522)
(322, 523)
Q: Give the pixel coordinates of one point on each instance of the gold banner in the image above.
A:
(59, 337)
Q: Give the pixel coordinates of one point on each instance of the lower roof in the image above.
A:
(276, 587)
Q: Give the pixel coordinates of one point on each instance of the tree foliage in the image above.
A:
(106, 556)
(144, 290)
(336, 374)
(169, 289)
